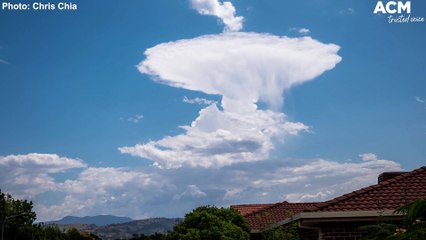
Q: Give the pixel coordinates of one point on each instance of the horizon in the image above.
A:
(152, 108)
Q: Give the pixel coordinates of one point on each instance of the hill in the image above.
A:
(127, 230)
(123, 230)
(100, 220)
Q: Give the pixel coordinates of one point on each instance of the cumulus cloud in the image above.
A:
(218, 138)
(304, 31)
(153, 192)
(329, 179)
(136, 118)
(419, 99)
(224, 11)
(300, 30)
(368, 157)
(197, 100)
(31, 174)
(244, 68)
(105, 191)
(191, 191)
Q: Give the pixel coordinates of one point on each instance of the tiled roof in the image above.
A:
(246, 209)
(386, 195)
(273, 213)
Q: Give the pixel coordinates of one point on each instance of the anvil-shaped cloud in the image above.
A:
(245, 69)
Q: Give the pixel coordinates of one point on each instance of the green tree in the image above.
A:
(209, 222)
(414, 226)
(155, 236)
(415, 221)
(16, 220)
(414, 211)
(16, 216)
(74, 234)
(379, 231)
(289, 232)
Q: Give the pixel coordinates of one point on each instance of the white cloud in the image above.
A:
(233, 193)
(31, 174)
(368, 157)
(327, 179)
(3, 61)
(244, 68)
(419, 99)
(136, 118)
(303, 31)
(105, 191)
(224, 11)
(51, 162)
(217, 138)
(309, 197)
(191, 191)
(199, 101)
(150, 191)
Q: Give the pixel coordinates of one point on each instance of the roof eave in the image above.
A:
(317, 217)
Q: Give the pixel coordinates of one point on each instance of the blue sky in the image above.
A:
(152, 108)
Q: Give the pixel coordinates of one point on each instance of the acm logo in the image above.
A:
(392, 7)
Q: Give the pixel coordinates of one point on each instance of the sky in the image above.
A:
(151, 108)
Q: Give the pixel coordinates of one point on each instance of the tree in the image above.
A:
(155, 236)
(414, 226)
(289, 232)
(415, 221)
(209, 222)
(16, 216)
(414, 211)
(379, 231)
(74, 234)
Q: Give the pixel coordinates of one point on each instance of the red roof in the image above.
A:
(270, 213)
(386, 195)
(246, 209)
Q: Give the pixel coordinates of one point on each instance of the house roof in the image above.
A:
(246, 209)
(389, 194)
(269, 213)
(386, 195)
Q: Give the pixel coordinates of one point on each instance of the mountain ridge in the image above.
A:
(124, 230)
(98, 220)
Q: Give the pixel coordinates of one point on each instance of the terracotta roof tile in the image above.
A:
(246, 209)
(386, 195)
(271, 213)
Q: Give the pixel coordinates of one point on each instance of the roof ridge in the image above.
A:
(279, 204)
(366, 189)
(264, 209)
(250, 204)
(260, 205)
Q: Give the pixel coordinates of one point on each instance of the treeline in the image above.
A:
(17, 223)
(207, 222)
(156, 236)
(42, 232)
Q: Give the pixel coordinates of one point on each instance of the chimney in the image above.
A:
(388, 175)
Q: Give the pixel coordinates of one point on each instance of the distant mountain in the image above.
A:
(127, 230)
(122, 230)
(100, 220)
